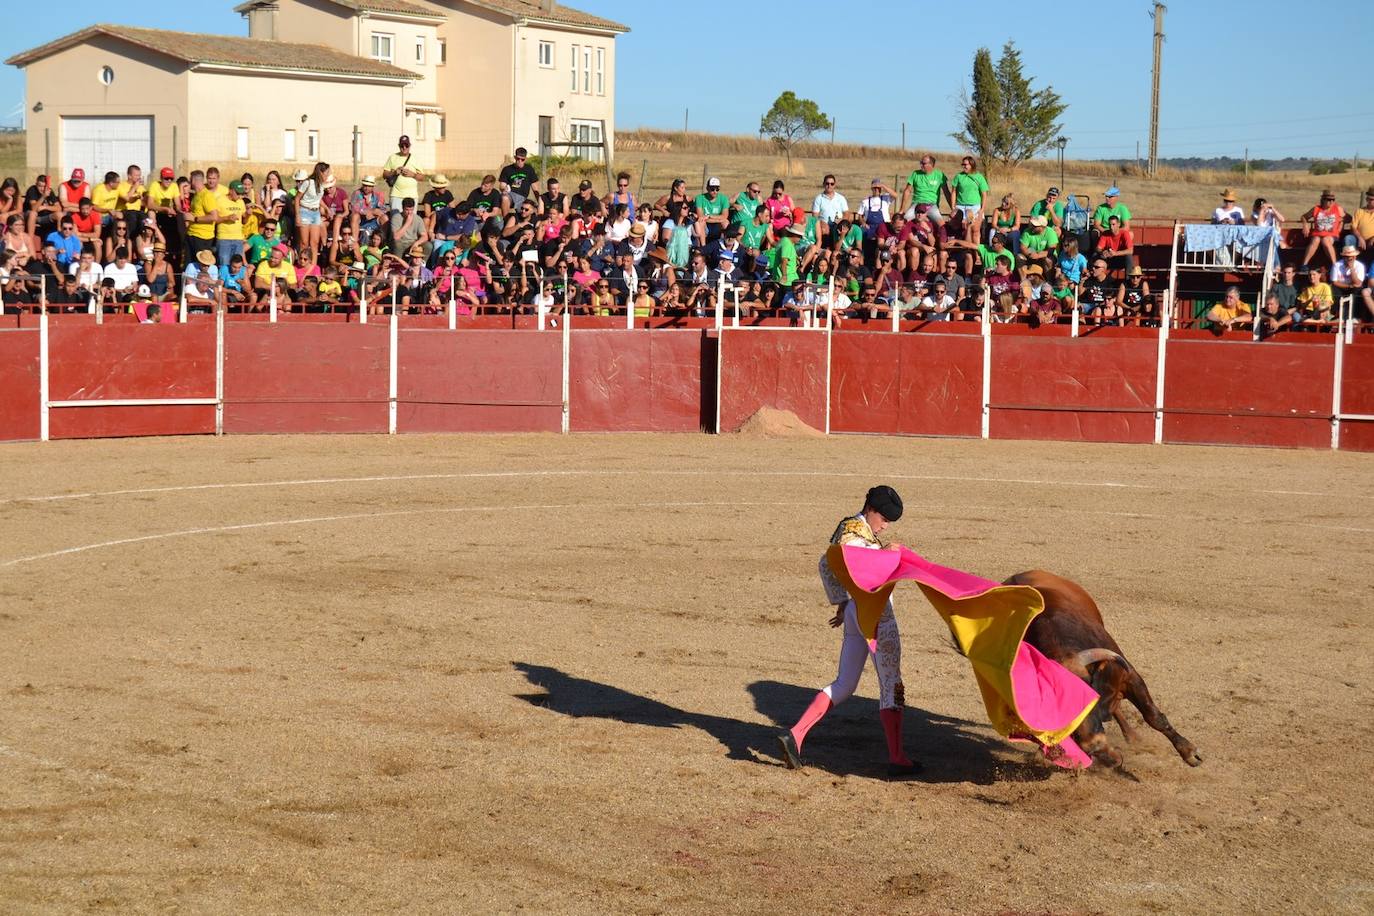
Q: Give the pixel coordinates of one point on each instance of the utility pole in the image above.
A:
(1247, 163)
(686, 116)
(1154, 89)
(904, 136)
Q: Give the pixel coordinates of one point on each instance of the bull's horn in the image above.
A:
(1078, 662)
(1093, 656)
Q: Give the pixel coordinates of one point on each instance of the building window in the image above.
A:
(106, 76)
(546, 54)
(241, 143)
(288, 145)
(443, 128)
(600, 71)
(587, 70)
(419, 132)
(443, 51)
(381, 47)
(586, 132)
(576, 57)
(312, 145)
(419, 49)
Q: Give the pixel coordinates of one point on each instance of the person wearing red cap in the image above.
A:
(882, 506)
(163, 197)
(71, 191)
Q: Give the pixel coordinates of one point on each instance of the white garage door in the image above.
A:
(101, 145)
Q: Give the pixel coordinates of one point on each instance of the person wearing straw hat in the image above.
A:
(1348, 274)
(1228, 214)
(437, 198)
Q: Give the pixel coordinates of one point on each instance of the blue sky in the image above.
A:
(1261, 74)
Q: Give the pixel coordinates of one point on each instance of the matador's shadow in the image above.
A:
(849, 741)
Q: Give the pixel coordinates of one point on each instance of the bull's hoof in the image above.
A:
(1191, 757)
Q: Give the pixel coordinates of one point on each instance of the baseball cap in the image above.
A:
(144, 292)
(1113, 191)
(877, 182)
(404, 140)
(78, 174)
(1054, 191)
(281, 250)
(236, 187)
(585, 185)
(167, 173)
(713, 182)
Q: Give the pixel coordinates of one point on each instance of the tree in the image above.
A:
(1007, 120)
(791, 121)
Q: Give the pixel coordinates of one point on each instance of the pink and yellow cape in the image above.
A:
(1028, 697)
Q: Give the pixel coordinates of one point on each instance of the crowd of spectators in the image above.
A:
(933, 249)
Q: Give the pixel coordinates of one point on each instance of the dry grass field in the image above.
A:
(544, 674)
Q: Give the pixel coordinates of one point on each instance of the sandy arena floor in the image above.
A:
(488, 674)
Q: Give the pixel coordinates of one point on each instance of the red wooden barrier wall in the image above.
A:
(780, 369)
(924, 384)
(1097, 388)
(306, 378)
(130, 361)
(1357, 395)
(639, 381)
(1249, 393)
(19, 385)
(479, 381)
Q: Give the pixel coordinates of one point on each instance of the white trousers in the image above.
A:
(887, 659)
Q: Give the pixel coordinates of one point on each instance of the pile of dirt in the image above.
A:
(770, 423)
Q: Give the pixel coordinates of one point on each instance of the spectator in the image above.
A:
(87, 272)
(621, 196)
(1007, 221)
(1348, 274)
(488, 195)
(309, 207)
(1116, 245)
(437, 199)
(133, 198)
(16, 240)
(828, 206)
(780, 206)
(1315, 301)
(87, 222)
(65, 242)
(1228, 214)
(42, 208)
(122, 275)
(72, 191)
(1110, 207)
(518, 179)
(1050, 207)
(105, 200)
(1362, 228)
(275, 270)
(334, 209)
(938, 304)
(553, 200)
(1231, 313)
(1136, 301)
(969, 190)
(233, 213)
(714, 209)
(368, 210)
(158, 272)
(401, 177)
(1070, 263)
(234, 275)
(744, 210)
(153, 314)
(1264, 213)
(875, 212)
(584, 202)
(677, 194)
(1099, 293)
(1323, 224)
(1273, 318)
(1286, 288)
(204, 214)
(202, 263)
(163, 197)
(925, 185)
(1038, 243)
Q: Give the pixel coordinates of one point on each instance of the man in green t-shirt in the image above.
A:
(969, 189)
(1112, 206)
(755, 232)
(1038, 243)
(998, 249)
(925, 186)
(784, 257)
(1050, 207)
(746, 205)
(715, 208)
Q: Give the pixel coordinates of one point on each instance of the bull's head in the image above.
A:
(1106, 673)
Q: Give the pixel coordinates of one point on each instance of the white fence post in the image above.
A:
(362, 299)
(1338, 369)
(43, 376)
(219, 372)
(272, 302)
(391, 382)
(1159, 366)
(987, 364)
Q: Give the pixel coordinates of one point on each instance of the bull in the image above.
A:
(1070, 631)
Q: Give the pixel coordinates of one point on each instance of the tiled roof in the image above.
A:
(363, 6)
(534, 9)
(195, 48)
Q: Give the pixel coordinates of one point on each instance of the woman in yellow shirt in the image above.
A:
(1314, 302)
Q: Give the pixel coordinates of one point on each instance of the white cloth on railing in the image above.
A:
(1251, 243)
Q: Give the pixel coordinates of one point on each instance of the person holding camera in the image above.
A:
(401, 176)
